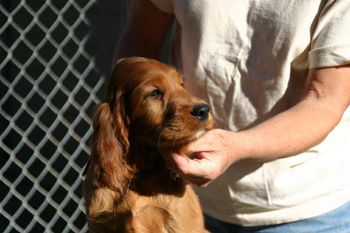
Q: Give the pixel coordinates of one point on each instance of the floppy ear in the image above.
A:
(110, 146)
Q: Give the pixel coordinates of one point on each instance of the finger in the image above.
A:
(196, 167)
(199, 146)
(191, 170)
(199, 181)
(179, 163)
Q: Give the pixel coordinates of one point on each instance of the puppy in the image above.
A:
(128, 188)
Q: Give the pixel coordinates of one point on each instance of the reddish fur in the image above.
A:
(128, 187)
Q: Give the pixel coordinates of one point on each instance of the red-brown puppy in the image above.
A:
(128, 187)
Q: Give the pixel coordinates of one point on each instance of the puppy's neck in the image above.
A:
(151, 173)
(146, 159)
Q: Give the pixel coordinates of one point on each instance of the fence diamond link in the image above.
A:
(48, 87)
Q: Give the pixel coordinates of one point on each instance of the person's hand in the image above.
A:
(207, 158)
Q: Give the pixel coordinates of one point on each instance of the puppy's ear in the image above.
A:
(109, 149)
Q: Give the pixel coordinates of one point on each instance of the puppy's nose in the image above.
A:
(200, 111)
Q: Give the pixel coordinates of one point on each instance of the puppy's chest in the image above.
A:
(160, 200)
(180, 213)
(140, 204)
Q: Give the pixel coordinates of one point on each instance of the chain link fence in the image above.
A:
(49, 84)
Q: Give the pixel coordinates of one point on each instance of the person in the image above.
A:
(276, 75)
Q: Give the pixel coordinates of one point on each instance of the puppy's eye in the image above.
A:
(156, 93)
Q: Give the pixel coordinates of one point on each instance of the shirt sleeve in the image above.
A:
(163, 5)
(330, 45)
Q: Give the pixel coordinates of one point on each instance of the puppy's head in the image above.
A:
(145, 105)
(157, 109)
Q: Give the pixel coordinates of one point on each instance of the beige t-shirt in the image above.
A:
(249, 60)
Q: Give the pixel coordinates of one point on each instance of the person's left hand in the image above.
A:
(205, 159)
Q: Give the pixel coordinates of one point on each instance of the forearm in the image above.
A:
(304, 125)
(145, 31)
(131, 45)
(290, 132)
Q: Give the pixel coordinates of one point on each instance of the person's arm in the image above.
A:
(145, 31)
(327, 95)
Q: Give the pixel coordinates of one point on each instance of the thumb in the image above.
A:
(180, 163)
(193, 169)
(192, 165)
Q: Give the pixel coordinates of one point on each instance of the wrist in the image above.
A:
(239, 146)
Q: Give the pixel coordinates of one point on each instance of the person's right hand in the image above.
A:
(205, 159)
